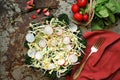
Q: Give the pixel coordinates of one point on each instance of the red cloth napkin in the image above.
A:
(104, 64)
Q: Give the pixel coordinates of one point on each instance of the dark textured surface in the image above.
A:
(14, 20)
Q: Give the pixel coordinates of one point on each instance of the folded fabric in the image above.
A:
(105, 63)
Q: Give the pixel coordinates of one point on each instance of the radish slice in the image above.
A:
(66, 40)
(58, 31)
(54, 42)
(31, 52)
(51, 66)
(48, 30)
(29, 7)
(38, 11)
(38, 55)
(68, 47)
(47, 13)
(45, 10)
(42, 43)
(61, 62)
(73, 58)
(30, 37)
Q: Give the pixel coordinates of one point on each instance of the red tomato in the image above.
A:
(85, 17)
(75, 8)
(82, 3)
(78, 16)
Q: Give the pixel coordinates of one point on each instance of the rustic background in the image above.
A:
(14, 20)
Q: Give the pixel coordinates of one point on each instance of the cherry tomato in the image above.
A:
(85, 17)
(78, 16)
(82, 3)
(75, 8)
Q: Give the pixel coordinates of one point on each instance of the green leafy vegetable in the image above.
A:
(28, 60)
(112, 18)
(26, 44)
(101, 1)
(63, 17)
(97, 24)
(115, 4)
(105, 13)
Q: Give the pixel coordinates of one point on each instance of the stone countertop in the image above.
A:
(14, 20)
